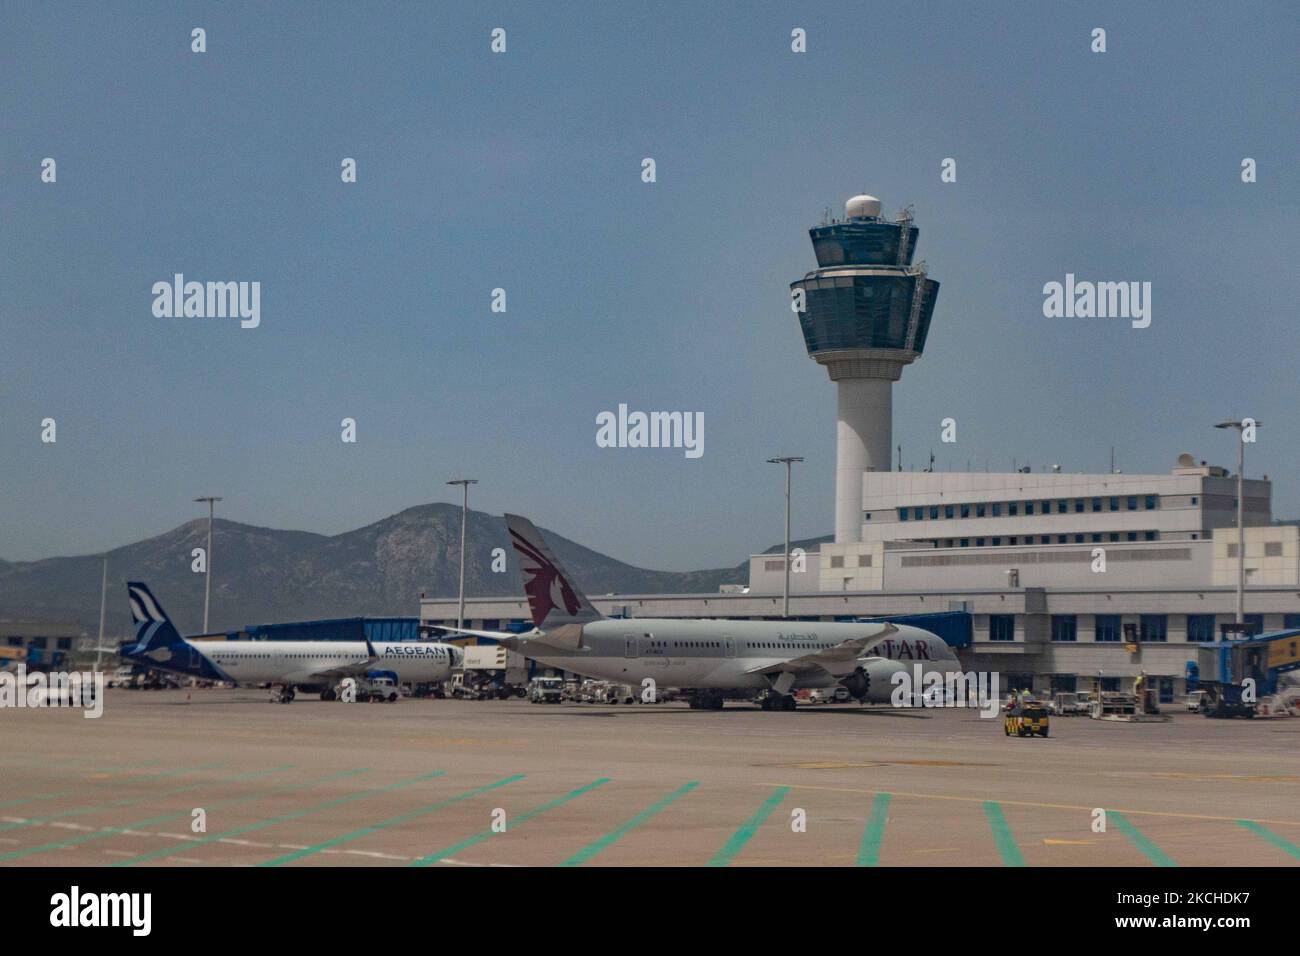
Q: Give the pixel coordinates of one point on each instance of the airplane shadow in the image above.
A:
(857, 712)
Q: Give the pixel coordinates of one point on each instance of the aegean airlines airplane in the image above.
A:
(283, 664)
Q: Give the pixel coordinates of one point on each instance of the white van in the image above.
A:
(546, 690)
(378, 689)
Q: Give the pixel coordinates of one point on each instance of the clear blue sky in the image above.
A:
(522, 171)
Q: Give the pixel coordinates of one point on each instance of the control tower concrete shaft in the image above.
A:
(865, 313)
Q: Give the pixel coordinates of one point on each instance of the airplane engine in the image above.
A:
(872, 675)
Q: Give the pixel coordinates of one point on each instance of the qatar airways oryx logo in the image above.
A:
(651, 430)
(209, 300)
(1102, 300)
(546, 587)
(934, 688)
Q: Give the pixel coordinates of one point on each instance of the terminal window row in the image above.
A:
(1011, 509)
(1096, 537)
(1152, 628)
(1148, 628)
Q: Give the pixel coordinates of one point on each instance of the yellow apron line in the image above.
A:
(1028, 803)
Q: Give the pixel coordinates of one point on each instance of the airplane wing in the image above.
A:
(355, 669)
(493, 635)
(836, 661)
(335, 673)
(567, 636)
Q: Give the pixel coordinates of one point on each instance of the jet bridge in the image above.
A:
(1263, 658)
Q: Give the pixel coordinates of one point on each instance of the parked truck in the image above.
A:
(1222, 699)
(546, 690)
(492, 671)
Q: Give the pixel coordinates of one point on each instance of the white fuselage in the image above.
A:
(708, 654)
(302, 662)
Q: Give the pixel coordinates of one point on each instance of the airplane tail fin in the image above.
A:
(154, 630)
(552, 596)
(157, 642)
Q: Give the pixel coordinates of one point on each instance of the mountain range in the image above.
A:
(264, 575)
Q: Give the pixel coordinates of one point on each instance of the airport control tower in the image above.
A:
(866, 312)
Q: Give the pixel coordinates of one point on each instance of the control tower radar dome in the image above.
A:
(862, 207)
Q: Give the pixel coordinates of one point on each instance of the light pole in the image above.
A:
(103, 607)
(464, 514)
(207, 561)
(1241, 527)
(787, 461)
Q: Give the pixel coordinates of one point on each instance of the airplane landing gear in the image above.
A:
(328, 694)
(773, 701)
(281, 694)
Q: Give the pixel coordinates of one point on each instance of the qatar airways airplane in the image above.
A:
(709, 659)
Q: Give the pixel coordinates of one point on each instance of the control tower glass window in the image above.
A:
(861, 312)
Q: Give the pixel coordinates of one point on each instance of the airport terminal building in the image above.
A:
(1066, 577)
(1018, 552)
